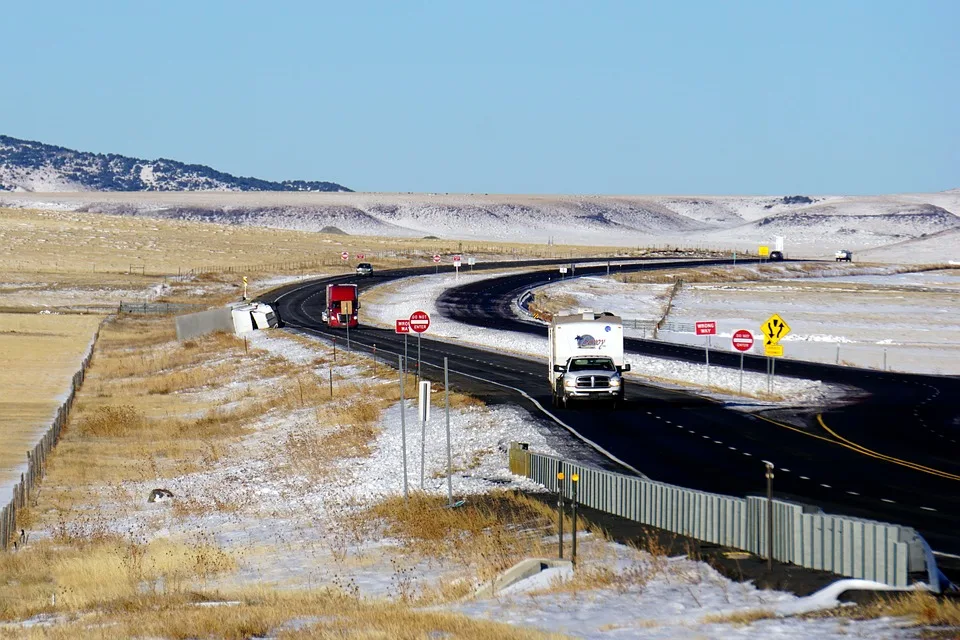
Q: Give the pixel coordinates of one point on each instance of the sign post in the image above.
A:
(742, 341)
(423, 406)
(707, 328)
(403, 432)
(471, 261)
(436, 261)
(456, 265)
(763, 251)
(344, 256)
(419, 322)
(773, 330)
(446, 405)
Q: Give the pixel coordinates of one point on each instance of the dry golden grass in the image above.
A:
(253, 613)
(921, 607)
(39, 354)
(486, 535)
(739, 618)
(100, 243)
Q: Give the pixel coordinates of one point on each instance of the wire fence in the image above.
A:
(37, 460)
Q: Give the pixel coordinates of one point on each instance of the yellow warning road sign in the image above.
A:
(764, 250)
(773, 350)
(774, 329)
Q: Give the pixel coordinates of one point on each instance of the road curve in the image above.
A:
(687, 440)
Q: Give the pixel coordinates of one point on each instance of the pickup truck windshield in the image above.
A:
(591, 364)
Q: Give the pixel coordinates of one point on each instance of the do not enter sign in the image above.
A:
(419, 321)
(742, 340)
(344, 256)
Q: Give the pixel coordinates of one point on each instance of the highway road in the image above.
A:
(890, 455)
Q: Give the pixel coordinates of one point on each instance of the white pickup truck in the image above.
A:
(586, 358)
(843, 255)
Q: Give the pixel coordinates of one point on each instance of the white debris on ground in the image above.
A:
(420, 293)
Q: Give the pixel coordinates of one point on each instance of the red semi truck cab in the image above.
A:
(342, 305)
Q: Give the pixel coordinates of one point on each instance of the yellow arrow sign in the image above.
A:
(764, 250)
(774, 350)
(774, 329)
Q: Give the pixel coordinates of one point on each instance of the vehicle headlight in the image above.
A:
(569, 383)
(614, 382)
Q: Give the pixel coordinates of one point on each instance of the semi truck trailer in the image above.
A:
(343, 302)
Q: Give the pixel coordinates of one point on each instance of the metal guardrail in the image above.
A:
(158, 308)
(802, 535)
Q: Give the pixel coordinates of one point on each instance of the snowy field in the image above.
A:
(905, 322)
(908, 321)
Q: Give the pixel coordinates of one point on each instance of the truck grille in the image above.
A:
(593, 382)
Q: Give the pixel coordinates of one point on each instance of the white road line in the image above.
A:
(825, 486)
(928, 508)
(887, 501)
(804, 478)
(853, 493)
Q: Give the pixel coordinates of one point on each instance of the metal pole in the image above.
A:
(884, 358)
(405, 348)
(560, 511)
(741, 373)
(446, 402)
(773, 370)
(838, 355)
(348, 333)
(573, 556)
(418, 357)
(707, 341)
(374, 359)
(330, 377)
(769, 475)
(334, 348)
(403, 432)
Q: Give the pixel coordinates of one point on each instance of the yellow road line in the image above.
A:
(847, 444)
(905, 463)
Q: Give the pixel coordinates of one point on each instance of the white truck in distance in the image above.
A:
(843, 255)
(586, 358)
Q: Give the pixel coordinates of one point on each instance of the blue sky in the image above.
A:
(767, 97)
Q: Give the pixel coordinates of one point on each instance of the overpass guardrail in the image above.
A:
(802, 534)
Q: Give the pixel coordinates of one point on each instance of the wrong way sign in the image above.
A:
(742, 340)
(403, 325)
(707, 328)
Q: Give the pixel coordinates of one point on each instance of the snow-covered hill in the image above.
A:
(812, 225)
(39, 167)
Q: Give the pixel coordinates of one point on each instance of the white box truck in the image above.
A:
(586, 358)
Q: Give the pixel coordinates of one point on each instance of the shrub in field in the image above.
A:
(111, 422)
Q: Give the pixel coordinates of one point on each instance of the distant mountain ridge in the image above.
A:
(26, 165)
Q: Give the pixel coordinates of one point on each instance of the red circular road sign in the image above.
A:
(742, 340)
(344, 256)
(360, 256)
(419, 321)
(456, 258)
(436, 257)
